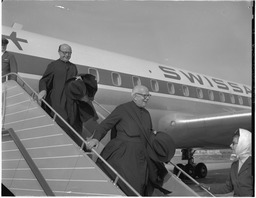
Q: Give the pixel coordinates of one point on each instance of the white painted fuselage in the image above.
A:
(195, 109)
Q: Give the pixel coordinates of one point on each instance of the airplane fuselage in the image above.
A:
(195, 109)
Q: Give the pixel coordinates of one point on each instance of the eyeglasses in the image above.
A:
(144, 95)
(69, 53)
(234, 143)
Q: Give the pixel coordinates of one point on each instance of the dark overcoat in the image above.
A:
(126, 153)
(240, 182)
(53, 81)
(78, 111)
(9, 64)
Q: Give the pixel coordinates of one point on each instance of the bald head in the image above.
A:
(140, 95)
(65, 52)
(64, 47)
(139, 89)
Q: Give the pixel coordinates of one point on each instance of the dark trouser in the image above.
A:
(126, 155)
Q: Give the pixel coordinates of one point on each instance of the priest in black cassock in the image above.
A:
(51, 85)
(127, 152)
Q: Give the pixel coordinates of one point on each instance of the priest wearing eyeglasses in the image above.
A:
(128, 151)
(51, 85)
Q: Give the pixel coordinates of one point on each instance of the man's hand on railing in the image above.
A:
(92, 143)
(85, 98)
(41, 95)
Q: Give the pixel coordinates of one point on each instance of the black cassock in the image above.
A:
(126, 153)
(53, 81)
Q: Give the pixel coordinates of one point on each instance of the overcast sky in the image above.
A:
(207, 37)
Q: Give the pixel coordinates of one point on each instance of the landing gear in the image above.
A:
(194, 170)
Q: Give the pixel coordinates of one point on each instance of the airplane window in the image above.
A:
(116, 79)
(232, 98)
(199, 93)
(222, 97)
(136, 81)
(154, 85)
(211, 95)
(171, 88)
(185, 90)
(240, 99)
(95, 73)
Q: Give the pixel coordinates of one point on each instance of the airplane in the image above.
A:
(196, 110)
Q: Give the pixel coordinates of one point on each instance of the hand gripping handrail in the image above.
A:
(34, 95)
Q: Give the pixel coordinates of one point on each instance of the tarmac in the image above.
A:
(218, 165)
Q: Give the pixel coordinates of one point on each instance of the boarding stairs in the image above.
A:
(40, 159)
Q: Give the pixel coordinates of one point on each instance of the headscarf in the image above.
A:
(243, 148)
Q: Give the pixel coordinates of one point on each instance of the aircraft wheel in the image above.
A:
(201, 170)
(176, 171)
(190, 169)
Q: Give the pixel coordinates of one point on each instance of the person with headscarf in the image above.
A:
(240, 179)
(80, 91)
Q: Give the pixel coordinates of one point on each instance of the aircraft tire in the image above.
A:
(190, 169)
(201, 170)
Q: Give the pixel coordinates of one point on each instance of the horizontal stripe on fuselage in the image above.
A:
(37, 66)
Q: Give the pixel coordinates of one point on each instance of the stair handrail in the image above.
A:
(191, 178)
(99, 105)
(3, 103)
(34, 95)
